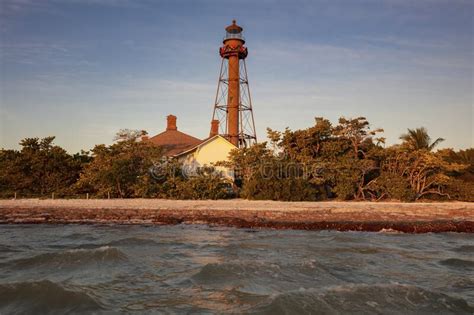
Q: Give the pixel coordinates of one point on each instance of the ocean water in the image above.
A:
(186, 269)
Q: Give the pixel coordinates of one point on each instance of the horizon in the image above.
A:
(83, 70)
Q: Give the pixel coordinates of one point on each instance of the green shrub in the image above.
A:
(206, 184)
(393, 186)
(461, 190)
(284, 189)
(345, 187)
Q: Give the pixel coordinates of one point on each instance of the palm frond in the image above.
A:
(435, 143)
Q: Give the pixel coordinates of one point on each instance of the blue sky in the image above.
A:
(83, 69)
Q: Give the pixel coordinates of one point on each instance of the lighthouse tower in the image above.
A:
(233, 105)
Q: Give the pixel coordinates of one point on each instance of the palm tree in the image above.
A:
(418, 139)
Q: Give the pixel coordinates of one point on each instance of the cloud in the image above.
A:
(31, 53)
(13, 8)
(362, 58)
(108, 3)
(406, 42)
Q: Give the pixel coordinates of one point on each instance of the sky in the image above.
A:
(81, 70)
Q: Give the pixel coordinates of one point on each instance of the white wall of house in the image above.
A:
(207, 154)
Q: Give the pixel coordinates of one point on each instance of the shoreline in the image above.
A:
(325, 215)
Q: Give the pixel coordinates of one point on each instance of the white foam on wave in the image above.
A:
(390, 231)
(82, 250)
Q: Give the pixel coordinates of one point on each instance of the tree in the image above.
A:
(345, 161)
(461, 186)
(306, 144)
(425, 172)
(418, 139)
(39, 168)
(267, 175)
(357, 131)
(121, 169)
(12, 178)
(206, 184)
(465, 157)
(339, 160)
(247, 161)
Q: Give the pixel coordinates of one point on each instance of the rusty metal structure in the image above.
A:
(233, 105)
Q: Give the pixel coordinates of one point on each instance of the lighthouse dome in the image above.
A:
(233, 28)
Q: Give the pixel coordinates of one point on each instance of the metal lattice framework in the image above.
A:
(247, 133)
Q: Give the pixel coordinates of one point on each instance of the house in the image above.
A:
(173, 141)
(192, 152)
(214, 149)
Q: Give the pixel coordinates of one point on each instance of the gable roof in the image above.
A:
(174, 142)
(202, 143)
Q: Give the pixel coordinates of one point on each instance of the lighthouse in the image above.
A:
(233, 105)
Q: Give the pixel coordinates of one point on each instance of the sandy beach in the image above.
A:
(343, 216)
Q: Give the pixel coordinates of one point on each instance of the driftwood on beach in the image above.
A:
(342, 216)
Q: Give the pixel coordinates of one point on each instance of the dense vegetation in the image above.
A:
(348, 161)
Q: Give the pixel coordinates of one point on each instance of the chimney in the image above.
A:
(171, 119)
(214, 128)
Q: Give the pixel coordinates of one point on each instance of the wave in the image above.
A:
(220, 273)
(81, 237)
(43, 297)
(70, 258)
(457, 263)
(466, 249)
(390, 231)
(133, 241)
(8, 249)
(246, 274)
(216, 272)
(364, 299)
